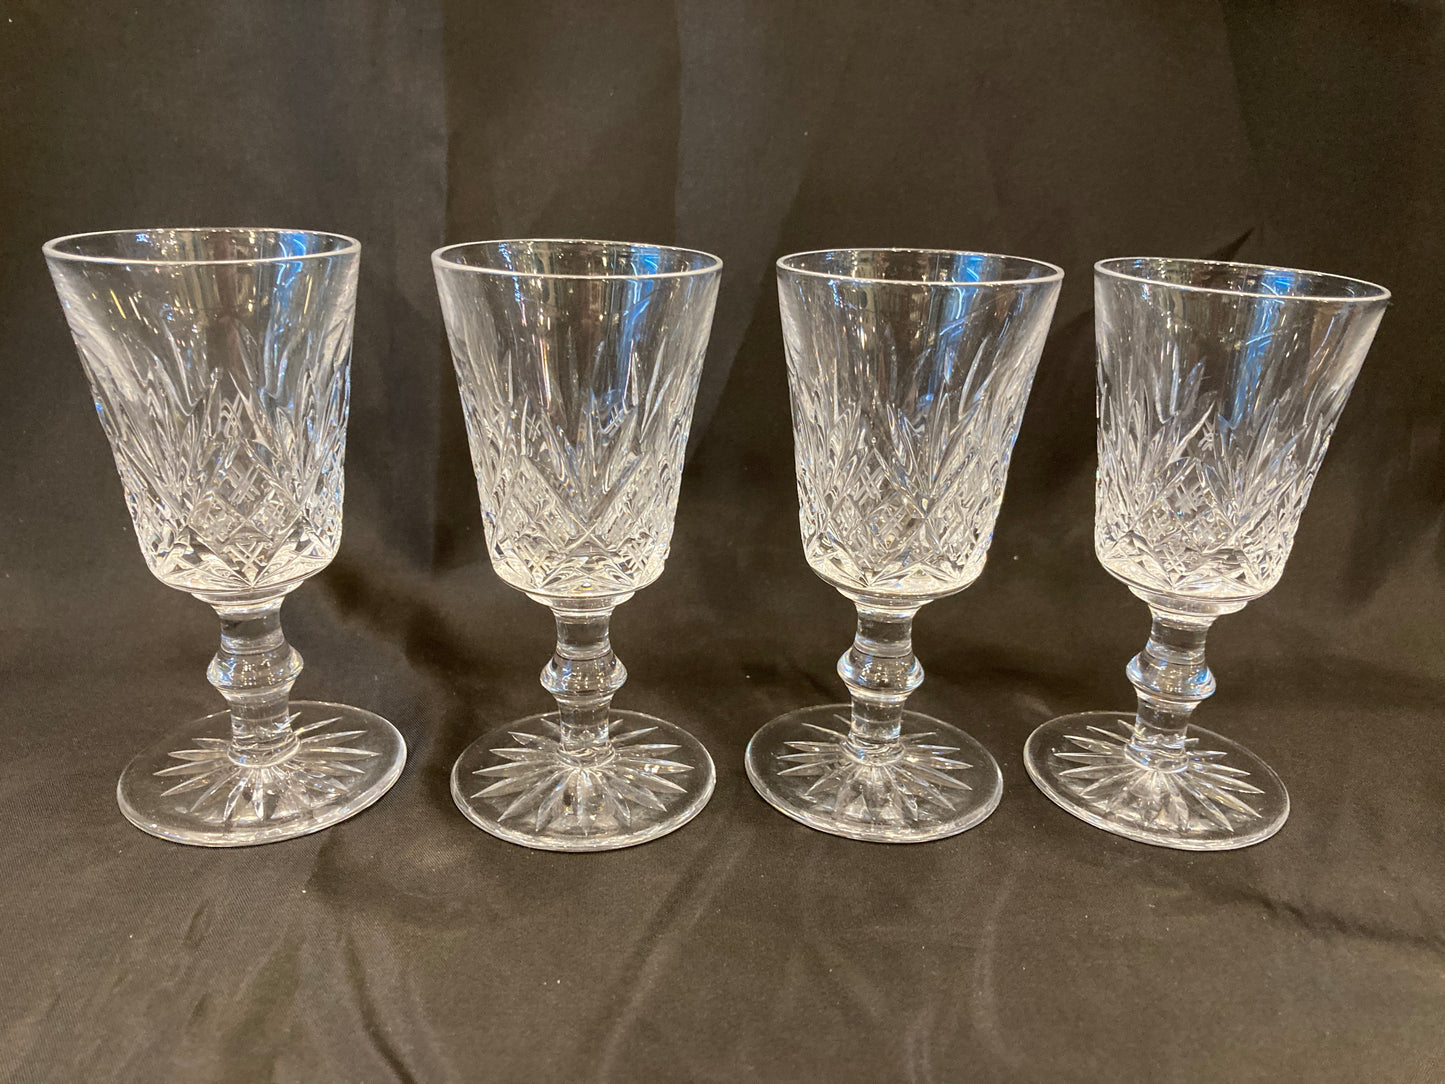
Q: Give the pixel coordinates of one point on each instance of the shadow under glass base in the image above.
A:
(1224, 798)
(188, 789)
(936, 783)
(518, 784)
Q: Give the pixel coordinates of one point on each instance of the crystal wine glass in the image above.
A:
(219, 360)
(1219, 386)
(578, 363)
(909, 373)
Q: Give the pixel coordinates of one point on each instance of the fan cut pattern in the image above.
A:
(1206, 796)
(578, 442)
(915, 785)
(1202, 480)
(230, 448)
(561, 795)
(902, 454)
(216, 790)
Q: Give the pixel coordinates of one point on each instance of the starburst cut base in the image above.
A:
(517, 784)
(187, 789)
(937, 783)
(1224, 798)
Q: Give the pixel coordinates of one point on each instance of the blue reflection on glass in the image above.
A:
(972, 267)
(646, 261)
(1266, 317)
(294, 243)
(293, 291)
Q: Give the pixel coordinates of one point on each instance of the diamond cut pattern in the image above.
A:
(229, 445)
(903, 428)
(577, 412)
(1210, 439)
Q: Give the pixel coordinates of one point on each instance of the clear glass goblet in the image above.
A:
(220, 364)
(909, 373)
(578, 364)
(1219, 386)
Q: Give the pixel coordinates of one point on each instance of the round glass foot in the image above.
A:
(188, 789)
(519, 785)
(1225, 797)
(935, 783)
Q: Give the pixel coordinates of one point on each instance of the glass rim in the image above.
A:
(349, 246)
(1108, 267)
(439, 259)
(1055, 272)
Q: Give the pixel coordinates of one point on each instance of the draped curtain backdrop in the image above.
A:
(407, 945)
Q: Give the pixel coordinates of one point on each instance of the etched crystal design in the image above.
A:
(1204, 795)
(903, 433)
(585, 505)
(562, 796)
(217, 790)
(1209, 443)
(226, 411)
(577, 438)
(914, 784)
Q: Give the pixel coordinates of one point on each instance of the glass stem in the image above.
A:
(583, 676)
(1171, 679)
(880, 672)
(254, 671)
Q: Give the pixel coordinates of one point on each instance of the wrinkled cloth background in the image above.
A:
(406, 944)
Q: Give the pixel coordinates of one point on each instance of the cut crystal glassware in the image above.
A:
(219, 360)
(909, 372)
(1219, 386)
(578, 364)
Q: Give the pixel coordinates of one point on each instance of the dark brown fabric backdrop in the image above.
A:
(405, 944)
